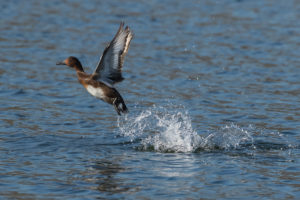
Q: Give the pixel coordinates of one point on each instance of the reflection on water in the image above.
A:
(212, 88)
(106, 180)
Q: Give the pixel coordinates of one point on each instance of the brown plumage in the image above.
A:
(108, 70)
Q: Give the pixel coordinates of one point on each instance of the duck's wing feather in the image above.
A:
(109, 68)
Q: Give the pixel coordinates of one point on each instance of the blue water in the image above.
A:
(212, 89)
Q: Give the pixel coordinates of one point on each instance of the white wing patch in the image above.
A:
(96, 92)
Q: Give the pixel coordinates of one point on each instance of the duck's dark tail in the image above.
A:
(119, 105)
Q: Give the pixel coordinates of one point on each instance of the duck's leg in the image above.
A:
(116, 106)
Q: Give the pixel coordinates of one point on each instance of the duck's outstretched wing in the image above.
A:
(109, 68)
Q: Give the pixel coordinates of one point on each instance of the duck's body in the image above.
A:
(108, 71)
(102, 91)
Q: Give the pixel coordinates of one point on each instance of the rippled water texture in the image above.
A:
(212, 89)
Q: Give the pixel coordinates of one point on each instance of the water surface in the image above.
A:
(212, 88)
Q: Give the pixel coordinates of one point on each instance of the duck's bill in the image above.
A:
(61, 63)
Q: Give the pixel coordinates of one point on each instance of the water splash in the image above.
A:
(170, 130)
(174, 133)
(161, 130)
(229, 137)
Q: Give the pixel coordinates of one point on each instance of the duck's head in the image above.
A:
(72, 62)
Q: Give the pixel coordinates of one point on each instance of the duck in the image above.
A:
(108, 71)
